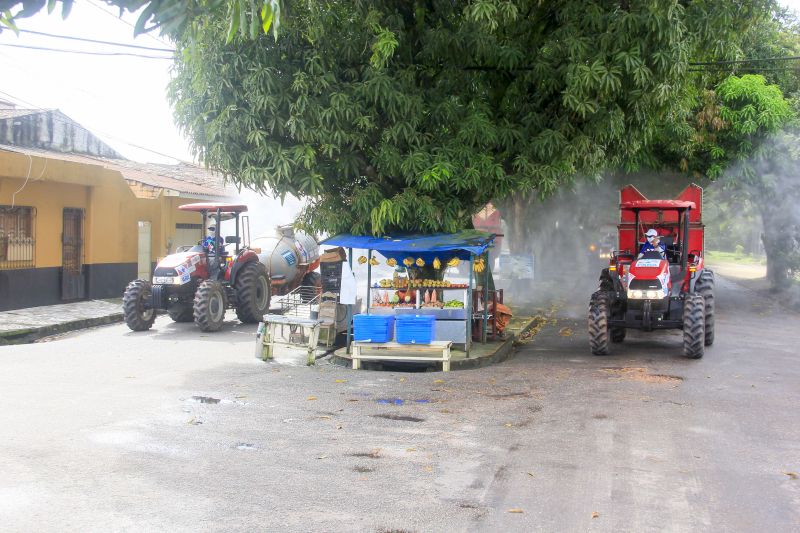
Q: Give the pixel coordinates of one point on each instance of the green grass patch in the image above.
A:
(733, 257)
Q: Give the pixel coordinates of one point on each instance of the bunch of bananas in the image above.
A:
(408, 261)
(391, 262)
(479, 265)
(454, 262)
(419, 262)
(373, 261)
(436, 263)
(362, 260)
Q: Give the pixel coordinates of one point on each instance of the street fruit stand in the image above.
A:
(420, 284)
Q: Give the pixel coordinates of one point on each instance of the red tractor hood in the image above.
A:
(182, 258)
(649, 268)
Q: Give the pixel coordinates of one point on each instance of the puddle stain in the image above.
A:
(402, 418)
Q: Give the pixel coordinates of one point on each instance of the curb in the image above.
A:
(504, 351)
(29, 335)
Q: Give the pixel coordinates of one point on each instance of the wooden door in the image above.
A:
(72, 280)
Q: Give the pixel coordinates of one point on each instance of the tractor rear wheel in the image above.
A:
(209, 306)
(181, 312)
(598, 323)
(694, 326)
(705, 288)
(139, 316)
(252, 293)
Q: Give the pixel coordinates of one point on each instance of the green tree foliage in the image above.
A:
(247, 17)
(394, 115)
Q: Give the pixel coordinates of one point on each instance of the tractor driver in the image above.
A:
(653, 244)
(208, 242)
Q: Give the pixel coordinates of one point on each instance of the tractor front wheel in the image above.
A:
(139, 316)
(598, 323)
(617, 334)
(694, 326)
(209, 306)
(252, 293)
(705, 288)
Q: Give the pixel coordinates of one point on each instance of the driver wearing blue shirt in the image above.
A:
(653, 244)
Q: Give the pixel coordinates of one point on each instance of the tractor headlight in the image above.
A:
(638, 294)
(653, 294)
(635, 294)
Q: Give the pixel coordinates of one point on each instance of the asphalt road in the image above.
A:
(173, 430)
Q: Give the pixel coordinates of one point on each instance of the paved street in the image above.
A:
(174, 430)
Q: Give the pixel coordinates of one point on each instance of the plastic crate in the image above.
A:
(415, 329)
(373, 328)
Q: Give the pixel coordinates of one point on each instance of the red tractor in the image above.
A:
(202, 282)
(665, 289)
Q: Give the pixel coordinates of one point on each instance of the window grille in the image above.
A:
(17, 237)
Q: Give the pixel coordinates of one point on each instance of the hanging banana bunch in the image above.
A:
(408, 261)
(392, 262)
(374, 261)
(453, 262)
(362, 260)
(436, 263)
(420, 262)
(479, 265)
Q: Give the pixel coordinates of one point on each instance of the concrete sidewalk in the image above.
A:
(26, 325)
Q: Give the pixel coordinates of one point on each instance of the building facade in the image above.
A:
(80, 226)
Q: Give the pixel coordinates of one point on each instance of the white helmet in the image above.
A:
(651, 233)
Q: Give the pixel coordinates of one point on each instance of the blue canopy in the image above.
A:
(462, 244)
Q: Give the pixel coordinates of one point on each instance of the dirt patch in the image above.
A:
(403, 418)
(635, 373)
(374, 454)
(506, 395)
(600, 416)
(363, 469)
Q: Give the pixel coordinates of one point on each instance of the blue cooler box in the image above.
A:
(415, 329)
(373, 328)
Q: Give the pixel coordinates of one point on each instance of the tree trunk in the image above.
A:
(776, 248)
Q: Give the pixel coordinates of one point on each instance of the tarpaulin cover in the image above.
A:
(441, 245)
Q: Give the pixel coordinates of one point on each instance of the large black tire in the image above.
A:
(252, 293)
(139, 316)
(209, 306)
(598, 323)
(694, 326)
(705, 288)
(181, 312)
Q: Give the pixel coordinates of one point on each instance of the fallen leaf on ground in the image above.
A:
(437, 381)
(428, 468)
(323, 457)
(508, 425)
(565, 332)
(324, 417)
(338, 427)
(792, 475)
(518, 511)
(411, 449)
(241, 397)
(402, 380)
(530, 474)
(340, 381)
(595, 514)
(311, 398)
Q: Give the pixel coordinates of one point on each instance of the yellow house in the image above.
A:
(77, 225)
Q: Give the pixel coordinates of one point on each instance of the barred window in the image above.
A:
(17, 238)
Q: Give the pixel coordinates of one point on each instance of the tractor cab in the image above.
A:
(661, 286)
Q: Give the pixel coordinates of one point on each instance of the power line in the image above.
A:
(81, 39)
(112, 15)
(84, 52)
(736, 61)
